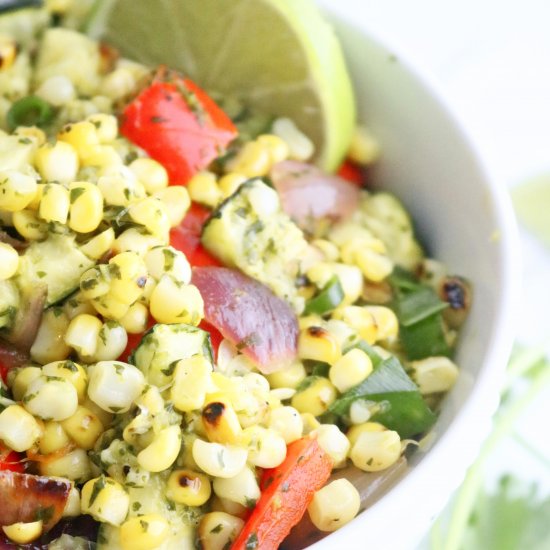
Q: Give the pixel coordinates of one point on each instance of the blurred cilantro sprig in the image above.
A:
(514, 516)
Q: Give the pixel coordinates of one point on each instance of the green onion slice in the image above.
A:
(330, 297)
(29, 111)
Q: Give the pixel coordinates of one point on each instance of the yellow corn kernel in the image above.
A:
(177, 202)
(106, 126)
(334, 443)
(288, 377)
(119, 190)
(192, 378)
(83, 136)
(76, 305)
(162, 452)
(300, 146)
(375, 451)
(100, 245)
(136, 318)
(355, 431)
(57, 90)
(51, 398)
(75, 465)
(220, 422)
(317, 344)
(49, 344)
(35, 203)
(277, 147)
(136, 240)
(104, 416)
(118, 83)
(105, 500)
(374, 265)
(266, 447)
(145, 532)
(9, 261)
(218, 530)
(128, 274)
(188, 487)
(229, 183)
(83, 427)
(86, 210)
(29, 226)
(37, 135)
(287, 422)
(351, 247)
(82, 334)
(434, 374)
(152, 175)
(54, 438)
(310, 321)
(23, 533)
(102, 156)
(310, 423)
(360, 319)
(112, 341)
(17, 190)
(174, 302)
(167, 260)
(218, 504)
(54, 203)
(316, 397)
(219, 460)
(253, 160)
(110, 308)
(57, 162)
(350, 370)
(387, 325)
(363, 149)
(18, 429)
(153, 215)
(22, 380)
(203, 188)
(72, 507)
(73, 372)
(334, 505)
(8, 53)
(243, 488)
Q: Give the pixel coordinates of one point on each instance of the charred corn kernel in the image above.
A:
(18, 429)
(114, 385)
(137, 240)
(242, 488)
(9, 261)
(375, 450)
(316, 397)
(219, 460)
(374, 265)
(102, 155)
(51, 398)
(8, 52)
(299, 145)
(150, 173)
(145, 532)
(334, 443)
(83, 136)
(163, 260)
(277, 147)
(310, 423)
(17, 190)
(334, 505)
(75, 465)
(29, 226)
(174, 302)
(203, 188)
(56, 90)
(77, 304)
(266, 448)
(111, 343)
(360, 319)
(153, 215)
(192, 379)
(72, 507)
(118, 83)
(83, 427)
(387, 325)
(220, 422)
(310, 321)
(252, 160)
(119, 190)
(82, 334)
(23, 533)
(287, 422)
(162, 452)
(22, 380)
(288, 377)
(317, 344)
(33, 133)
(57, 162)
(363, 149)
(100, 245)
(54, 438)
(86, 210)
(350, 370)
(177, 202)
(434, 374)
(188, 487)
(218, 530)
(106, 126)
(105, 500)
(135, 320)
(73, 372)
(229, 183)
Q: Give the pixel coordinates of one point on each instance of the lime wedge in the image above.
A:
(279, 56)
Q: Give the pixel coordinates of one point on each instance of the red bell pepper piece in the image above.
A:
(10, 460)
(178, 125)
(286, 492)
(351, 172)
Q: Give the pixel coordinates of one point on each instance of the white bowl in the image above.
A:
(466, 221)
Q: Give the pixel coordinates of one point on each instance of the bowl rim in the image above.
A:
(498, 346)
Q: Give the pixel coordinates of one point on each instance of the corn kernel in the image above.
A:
(220, 422)
(219, 460)
(37, 135)
(51, 398)
(105, 500)
(163, 450)
(287, 422)
(23, 533)
(203, 188)
(111, 343)
(118, 84)
(153, 215)
(375, 451)
(119, 190)
(57, 162)
(288, 377)
(101, 156)
(300, 146)
(276, 146)
(173, 302)
(217, 530)
(360, 319)
(83, 427)
(72, 507)
(253, 160)
(53, 439)
(18, 429)
(17, 190)
(9, 261)
(100, 245)
(150, 173)
(163, 260)
(75, 465)
(316, 397)
(86, 210)
(83, 136)
(191, 382)
(106, 126)
(82, 334)
(136, 318)
(434, 374)
(29, 226)
(374, 265)
(8, 53)
(317, 344)
(387, 325)
(242, 488)
(334, 505)
(350, 370)
(334, 443)
(22, 380)
(355, 431)
(54, 203)
(188, 487)
(229, 183)
(70, 371)
(177, 202)
(57, 90)
(310, 423)
(266, 448)
(363, 149)
(136, 240)
(145, 532)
